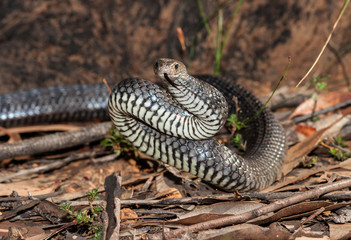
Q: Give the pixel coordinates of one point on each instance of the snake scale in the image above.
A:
(175, 125)
(172, 124)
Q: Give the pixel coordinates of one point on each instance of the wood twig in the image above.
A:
(241, 218)
(341, 148)
(74, 222)
(55, 141)
(38, 128)
(48, 167)
(113, 189)
(314, 215)
(21, 208)
(342, 196)
(37, 197)
(346, 2)
(325, 110)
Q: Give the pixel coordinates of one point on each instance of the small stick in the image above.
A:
(55, 141)
(37, 197)
(38, 128)
(325, 110)
(21, 208)
(48, 167)
(340, 148)
(315, 214)
(107, 86)
(344, 196)
(113, 189)
(279, 204)
(346, 2)
(74, 222)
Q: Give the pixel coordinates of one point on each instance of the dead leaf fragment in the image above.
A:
(325, 100)
(305, 129)
(247, 231)
(217, 210)
(169, 194)
(128, 216)
(340, 231)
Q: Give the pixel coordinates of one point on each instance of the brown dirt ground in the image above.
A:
(73, 41)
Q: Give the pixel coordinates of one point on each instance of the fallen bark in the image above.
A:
(55, 141)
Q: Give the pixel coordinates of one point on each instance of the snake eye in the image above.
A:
(176, 66)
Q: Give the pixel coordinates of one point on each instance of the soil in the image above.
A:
(55, 42)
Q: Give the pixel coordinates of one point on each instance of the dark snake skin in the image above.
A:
(207, 159)
(256, 169)
(54, 104)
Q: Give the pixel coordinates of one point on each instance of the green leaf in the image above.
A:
(321, 85)
(314, 96)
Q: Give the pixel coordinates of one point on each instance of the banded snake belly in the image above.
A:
(173, 125)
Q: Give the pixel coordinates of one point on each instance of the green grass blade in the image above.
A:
(218, 54)
(275, 89)
(203, 17)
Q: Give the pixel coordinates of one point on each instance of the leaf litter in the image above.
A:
(145, 180)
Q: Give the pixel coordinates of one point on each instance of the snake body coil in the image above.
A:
(54, 104)
(174, 126)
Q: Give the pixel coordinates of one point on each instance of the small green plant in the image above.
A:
(338, 153)
(93, 195)
(238, 142)
(66, 206)
(319, 84)
(118, 143)
(97, 233)
(87, 217)
(311, 162)
(234, 122)
(338, 141)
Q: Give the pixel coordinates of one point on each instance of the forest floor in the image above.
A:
(96, 190)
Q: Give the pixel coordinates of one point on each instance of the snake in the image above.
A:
(173, 123)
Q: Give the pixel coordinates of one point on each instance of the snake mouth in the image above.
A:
(165, 75)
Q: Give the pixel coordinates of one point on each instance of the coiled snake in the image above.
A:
(172, 125)
(175, 125)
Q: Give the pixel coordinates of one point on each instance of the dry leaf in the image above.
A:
(217, 210)
(128, 216)
(169, 193)
(305, 129)
(324, 101)
(307, 172)
(247, 231)
(340, 231)
(294, 211)
(302, 149)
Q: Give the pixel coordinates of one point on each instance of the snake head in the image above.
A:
(170, 71)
